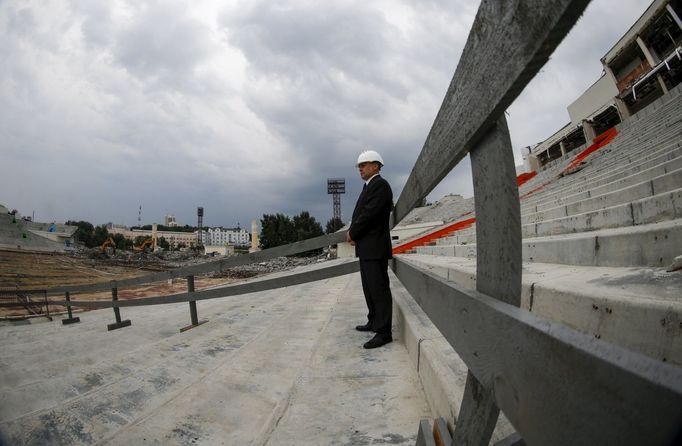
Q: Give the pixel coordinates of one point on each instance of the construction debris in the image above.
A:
(40, 270)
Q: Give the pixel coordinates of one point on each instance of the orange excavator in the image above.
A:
(146, 246)
(109, 242)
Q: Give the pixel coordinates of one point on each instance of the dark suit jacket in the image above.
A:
(370, 225)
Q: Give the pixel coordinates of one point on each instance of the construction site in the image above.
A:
(37, 270)
(545, 310)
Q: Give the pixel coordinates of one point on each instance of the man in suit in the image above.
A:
(370, 234)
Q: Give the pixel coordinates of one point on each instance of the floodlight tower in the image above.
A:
(336, 187)
(200, 224)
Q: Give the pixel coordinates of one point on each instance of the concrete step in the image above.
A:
(661, 201)
(660, 207)
(648, 202)
(612, 194)
(623, 162)
(625, 145)
(665, 160)
(459, 238)
(626, 142)
(654, 245)
(277, 367)
(637, 173)
(581, 182)
(636, 308)
(666, 106)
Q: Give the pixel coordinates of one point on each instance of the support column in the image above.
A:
(498, 265)
(588, 131)
(623, 108)
(194, 318)
(562, 147)
(610, 73)
(117, 313)
(534, 163)
(254, 236)
(652, 61)
(674, 15)
(71, 319)
(47, 305)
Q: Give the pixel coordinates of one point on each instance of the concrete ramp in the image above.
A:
(18, 234)
(281, 367)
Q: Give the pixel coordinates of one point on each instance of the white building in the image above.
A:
(225, 236)
(169, 221)
(174, 238)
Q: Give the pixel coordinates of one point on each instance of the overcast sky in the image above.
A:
(244, 107)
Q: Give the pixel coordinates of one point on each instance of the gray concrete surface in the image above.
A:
(655, 245)
(441, 371)
(283, 367)
(639, 309)
(622, 209)
(18, 235)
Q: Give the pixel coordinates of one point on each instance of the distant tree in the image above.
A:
(333, 225)
(122, 242)
(307, 227)
(277, 230)
(84, 232)
(99, 235)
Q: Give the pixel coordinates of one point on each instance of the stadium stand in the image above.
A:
(612, 228)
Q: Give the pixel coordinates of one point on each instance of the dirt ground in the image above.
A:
(35, 271)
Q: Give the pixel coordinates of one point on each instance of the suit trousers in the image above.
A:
(376, 286)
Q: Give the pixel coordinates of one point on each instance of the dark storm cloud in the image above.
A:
(245, 111)
(167, 53)
(336, 80)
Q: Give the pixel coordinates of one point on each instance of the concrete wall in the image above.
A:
(594, 99)
(224, 250)
(345, 250)
(188, 238)
(555, 138)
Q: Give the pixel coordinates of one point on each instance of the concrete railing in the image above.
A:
(555, 385)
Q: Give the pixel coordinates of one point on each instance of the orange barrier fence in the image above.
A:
(421, 241)
(597, 143)
(524, 177)
(600, 141)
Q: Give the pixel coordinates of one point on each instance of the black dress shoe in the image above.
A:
(378, 340)
(366, 327)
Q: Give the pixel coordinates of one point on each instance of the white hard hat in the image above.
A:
(370, 156)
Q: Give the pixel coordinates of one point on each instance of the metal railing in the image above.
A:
(556, 385)
(188, 272)
(22, 299)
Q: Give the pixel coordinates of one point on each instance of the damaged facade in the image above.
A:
(640, 68)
